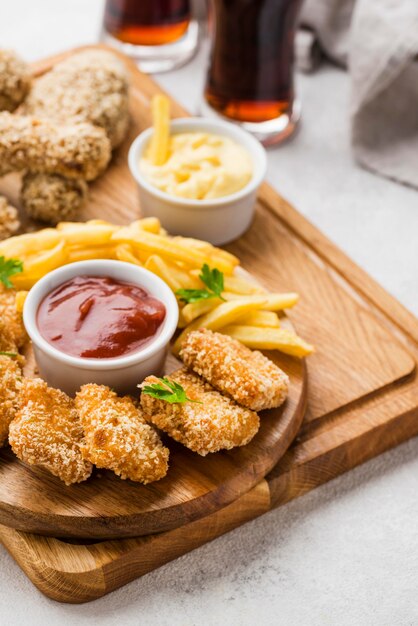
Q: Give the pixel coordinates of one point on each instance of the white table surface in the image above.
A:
(347, 553)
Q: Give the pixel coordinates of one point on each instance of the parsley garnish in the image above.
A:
(9, 267)
(169, 391)
(214, 281)
(12, 355)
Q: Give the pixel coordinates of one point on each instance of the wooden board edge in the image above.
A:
(77, 573)
(300, 475)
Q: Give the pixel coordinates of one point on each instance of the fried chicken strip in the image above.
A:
(12, 331)
(9, 219)
(15, 80)
(91, 86)
(74, 151)
(246, 376)
(215, 424)
(47, 432)
(117, 436)
(10, 382)
(52, 198)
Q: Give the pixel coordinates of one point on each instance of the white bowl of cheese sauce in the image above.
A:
(207, 187)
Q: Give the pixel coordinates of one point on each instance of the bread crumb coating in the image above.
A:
(9, 219)
(10, 382)
(51, 198)
(247, 376)
(11, 319)
(91, 86)
(117, 437)
(15, 80)
(215, 424)
(47, 432)
(74, 151)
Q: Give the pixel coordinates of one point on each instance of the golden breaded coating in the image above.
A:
(9, 219)
(117, 436)
(74, 151)
(10, 382)
(47, 432)
(8, 344)
(15, 80)
(91, 86)
(51, 198)
(247, 376)
(11, 319)
(215, 424)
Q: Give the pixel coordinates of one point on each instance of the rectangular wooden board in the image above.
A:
(363, 387)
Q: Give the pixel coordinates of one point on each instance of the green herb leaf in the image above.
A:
(214, 281)
(12, 355)
(8, 268)
(169, 391)
(194, 295)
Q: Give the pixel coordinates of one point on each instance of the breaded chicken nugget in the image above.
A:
(12, 331)
(91, 86)
(9, 219)
(74, 151)
(247, 376)
(52, 198)
(212, 423)
(117, 437)
(47, 432)
(15, 80)
(10, 382)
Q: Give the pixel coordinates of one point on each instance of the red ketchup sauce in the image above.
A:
(97, 317)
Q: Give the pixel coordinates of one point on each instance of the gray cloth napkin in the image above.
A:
(378, 41)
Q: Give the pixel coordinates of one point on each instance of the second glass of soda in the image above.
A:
(250, 76)
(159, 34)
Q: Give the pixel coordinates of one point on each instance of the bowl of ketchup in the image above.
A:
(100, 321)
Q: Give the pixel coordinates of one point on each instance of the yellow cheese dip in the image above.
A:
(200, 166)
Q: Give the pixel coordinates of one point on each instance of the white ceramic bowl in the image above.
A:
(218, 220)
(123, 373)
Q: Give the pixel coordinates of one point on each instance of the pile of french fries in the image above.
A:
(247, 312)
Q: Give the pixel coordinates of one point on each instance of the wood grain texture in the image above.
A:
(104, 507)
(356, 327)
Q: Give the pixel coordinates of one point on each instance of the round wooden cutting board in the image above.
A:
(105, 506)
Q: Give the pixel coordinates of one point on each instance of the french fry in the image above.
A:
(162, 246)
(158, 150)
(193, 310)
(223, 315)
(209, 249)
(158, 266)
(174, 249)
(182, 322)
(269, 339)
(124, 252)
(262, 319)
(150, 224)
(235, 284)
(75, 254)
(274, 301)
(186, 278)
(90, 235)
(23, 246)
(82, 225)
(38, 265)
(20, 300)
